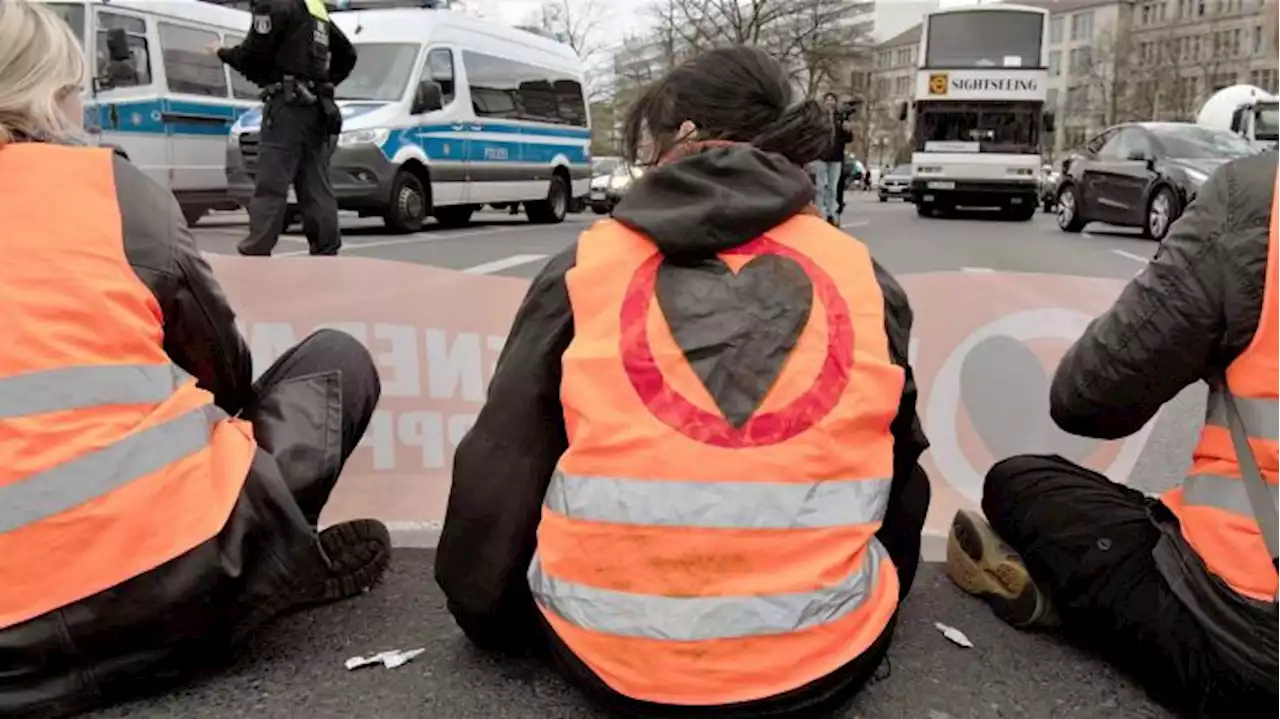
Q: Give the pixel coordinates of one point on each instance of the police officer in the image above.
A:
(297, 56)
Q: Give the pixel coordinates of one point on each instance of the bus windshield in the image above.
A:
(1006, 127)
(382, 74)
(984, 38)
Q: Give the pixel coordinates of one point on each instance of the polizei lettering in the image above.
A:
(997, 84)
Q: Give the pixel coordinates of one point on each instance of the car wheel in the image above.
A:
(883, 198)
(551, 210)
(1069, 219)
(600, 208)
(409, 206)
(1162, 210)
(924, 209)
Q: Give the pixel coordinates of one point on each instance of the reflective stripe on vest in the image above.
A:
(691, 619)
(71, 484)
(112, 460)
(728, 505)
(318, 10)
(1212, 504)
(692, 566)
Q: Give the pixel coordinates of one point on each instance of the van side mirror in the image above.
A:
(427, 98)
(118, 46)
(902, 112)
(1050, 122)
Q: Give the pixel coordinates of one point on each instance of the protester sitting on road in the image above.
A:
(704, 423)
(1179, 590)
(156, 506)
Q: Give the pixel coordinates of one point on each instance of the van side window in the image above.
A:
(440, 70)
(508, 89)
(123, 73)
(188, 66)
(241, 88)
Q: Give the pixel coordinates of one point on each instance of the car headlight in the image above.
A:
(354, 138)
(619, 182)
(233, 139)
(1196, 177)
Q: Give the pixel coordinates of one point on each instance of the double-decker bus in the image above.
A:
(980, 109)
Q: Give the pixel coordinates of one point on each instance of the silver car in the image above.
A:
(896, 184)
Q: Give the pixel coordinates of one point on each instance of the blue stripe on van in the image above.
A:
(451, 146)
(156, 117)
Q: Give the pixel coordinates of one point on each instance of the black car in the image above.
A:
(1142, 174)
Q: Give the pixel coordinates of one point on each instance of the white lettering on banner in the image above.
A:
(456, 368)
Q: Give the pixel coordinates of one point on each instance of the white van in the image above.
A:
(155, 93)
(445, 113)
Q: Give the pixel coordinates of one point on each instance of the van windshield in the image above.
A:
(382, 74)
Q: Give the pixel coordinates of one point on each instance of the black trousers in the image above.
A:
(159, 627)
(1087, 541)
(900, 534)
(294, 148)
(840, 190)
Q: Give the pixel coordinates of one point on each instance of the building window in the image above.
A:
(1081, 60)
(1082, 25)
(1073, 138)
(123, 73)
(902, 85)
(188, 66)
(1055, 63)
(1077, 99)
(1265, 79)
(1055, 31)
(1051, 98)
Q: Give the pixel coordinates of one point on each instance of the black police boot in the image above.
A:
(358, 552)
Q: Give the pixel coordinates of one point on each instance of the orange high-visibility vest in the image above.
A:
(1212, 504)
(690, 562)
(112, 461)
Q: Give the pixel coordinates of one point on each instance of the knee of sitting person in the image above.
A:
(344, 352)
(1001, 486)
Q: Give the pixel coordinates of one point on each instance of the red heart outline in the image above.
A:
(674, 410)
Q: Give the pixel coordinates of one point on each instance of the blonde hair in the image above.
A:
(40, 61)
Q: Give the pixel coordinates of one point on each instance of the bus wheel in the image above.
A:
(408, 209)
(553, 209)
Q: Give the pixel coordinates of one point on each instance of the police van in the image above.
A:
(155, 93)
(445, 113)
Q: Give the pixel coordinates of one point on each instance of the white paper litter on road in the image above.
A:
(390, 660)
(955, 635)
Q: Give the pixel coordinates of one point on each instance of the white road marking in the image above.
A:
(505, 263)
(976, 270)
(854, 223)
(420, 238)
(1131, 256)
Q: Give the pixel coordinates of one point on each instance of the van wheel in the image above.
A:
(454, 215)
(408, 209)
(553, 209)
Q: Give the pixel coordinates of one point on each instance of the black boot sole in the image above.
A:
(358, 552)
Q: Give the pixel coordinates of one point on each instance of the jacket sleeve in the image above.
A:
(342, 55)
(909, 440)
(502, 469)
(200, 333)
(254, 56)
(1163, 333)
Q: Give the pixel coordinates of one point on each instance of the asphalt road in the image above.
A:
(950, 267)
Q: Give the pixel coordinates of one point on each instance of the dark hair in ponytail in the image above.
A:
(738, 94)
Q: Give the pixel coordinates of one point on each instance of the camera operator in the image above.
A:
(829, 169)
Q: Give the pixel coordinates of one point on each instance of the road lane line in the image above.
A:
(422, 238)
(505, 263)
(1131, 256)
(855, 223)
(976, 270)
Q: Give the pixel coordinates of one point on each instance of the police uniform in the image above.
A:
(297, 56)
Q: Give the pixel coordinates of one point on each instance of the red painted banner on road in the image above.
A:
(982, 365)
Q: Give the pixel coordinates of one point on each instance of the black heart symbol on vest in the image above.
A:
(736, 331)
(1005, 389)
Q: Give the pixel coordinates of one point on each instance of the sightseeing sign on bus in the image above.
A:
(980, 109)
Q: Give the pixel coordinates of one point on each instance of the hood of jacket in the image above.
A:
(714, 199)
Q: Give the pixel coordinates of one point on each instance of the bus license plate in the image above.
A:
(942, 185)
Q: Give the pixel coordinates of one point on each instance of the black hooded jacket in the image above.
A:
(706, 203)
